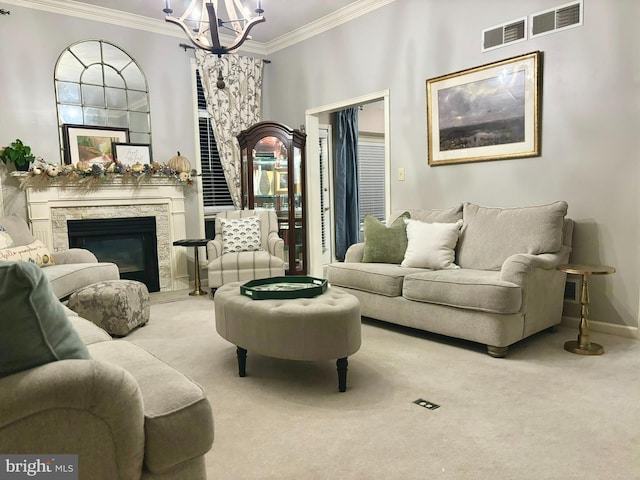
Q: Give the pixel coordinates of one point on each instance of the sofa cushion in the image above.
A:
(230, 263)
(381, 278)
(35, 252)
(178, 422)
(445, 215)
(431, 245)
(87, 331)
(35, 328)
(490, 235)
(384, 244)
(471, 289)
(67, 278)
(18, 229)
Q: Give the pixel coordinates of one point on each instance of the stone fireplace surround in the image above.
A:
(49, 209)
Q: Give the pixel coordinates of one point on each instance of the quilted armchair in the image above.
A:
(245, 260)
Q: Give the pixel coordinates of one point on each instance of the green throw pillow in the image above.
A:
(384, 244)
(34, 328)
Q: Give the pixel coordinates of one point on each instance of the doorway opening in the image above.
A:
(319, 165)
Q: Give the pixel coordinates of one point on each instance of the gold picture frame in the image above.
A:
(490, 112)
(281, 181)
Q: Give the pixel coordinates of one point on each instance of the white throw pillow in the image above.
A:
(36, 252)
(240, 234)
(431, 245)
(5, 239)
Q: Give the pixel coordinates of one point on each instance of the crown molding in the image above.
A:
(121, 19)
(98, 14)
(335, 19)
(116, 17)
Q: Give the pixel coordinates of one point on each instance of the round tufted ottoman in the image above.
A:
(320, 328)
(117, 306)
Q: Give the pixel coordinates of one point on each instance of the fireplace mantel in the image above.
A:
(50, 207)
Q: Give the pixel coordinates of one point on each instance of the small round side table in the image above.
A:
(195, 243)
(583, 346)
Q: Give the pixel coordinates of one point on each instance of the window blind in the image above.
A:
(371, 179)
(215, 192)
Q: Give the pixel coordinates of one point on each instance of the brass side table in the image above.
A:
(195, 243)
(583, 346)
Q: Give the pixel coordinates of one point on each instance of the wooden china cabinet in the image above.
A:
(273, 178)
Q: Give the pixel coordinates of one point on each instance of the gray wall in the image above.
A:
(31, 41)
(591, 109)
(590, 117)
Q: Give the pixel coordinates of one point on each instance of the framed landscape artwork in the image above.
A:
(491, 112)
(91, 143)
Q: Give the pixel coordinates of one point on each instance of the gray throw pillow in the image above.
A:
(35, 328)
(384, 244)
(17, 227)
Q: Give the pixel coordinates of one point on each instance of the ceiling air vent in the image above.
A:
(501, 35)
(559, 18)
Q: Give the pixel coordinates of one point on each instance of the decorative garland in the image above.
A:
(40, 175)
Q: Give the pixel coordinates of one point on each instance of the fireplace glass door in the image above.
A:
(130, 243)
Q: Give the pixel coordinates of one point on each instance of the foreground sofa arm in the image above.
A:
(75, 255)
(84, 407)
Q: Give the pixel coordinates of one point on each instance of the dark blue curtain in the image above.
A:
(347, 210)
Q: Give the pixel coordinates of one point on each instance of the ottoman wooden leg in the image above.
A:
(342, 373)
(242, 361)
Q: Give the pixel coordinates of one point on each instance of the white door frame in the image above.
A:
(313, 193)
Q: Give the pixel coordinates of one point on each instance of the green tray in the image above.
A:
(284, 287)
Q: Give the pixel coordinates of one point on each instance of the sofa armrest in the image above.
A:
(214, 248)
(518, 266)
(90, 408)
(354, 253)
(276, 245)
(74, 255)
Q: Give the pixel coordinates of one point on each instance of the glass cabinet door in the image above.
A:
(298, 235)
(273, 179)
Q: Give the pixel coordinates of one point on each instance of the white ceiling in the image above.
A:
(282, 16)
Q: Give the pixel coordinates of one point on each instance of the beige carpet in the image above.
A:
(541, 413)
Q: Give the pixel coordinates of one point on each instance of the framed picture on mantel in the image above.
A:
(491, 112)
(131, 153)
(91, 144)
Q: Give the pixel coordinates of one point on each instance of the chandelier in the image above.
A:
(202, 24)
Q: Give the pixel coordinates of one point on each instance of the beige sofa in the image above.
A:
(67, 270)
(67, 388)
(507, 287)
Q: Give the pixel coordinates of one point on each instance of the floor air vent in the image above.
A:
(504, 34)
(426, 404)
(559, 18)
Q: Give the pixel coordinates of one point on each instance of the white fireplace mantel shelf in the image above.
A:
(164, 198)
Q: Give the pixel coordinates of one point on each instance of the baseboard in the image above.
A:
(610, 328)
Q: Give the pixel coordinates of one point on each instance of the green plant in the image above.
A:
(17, 153)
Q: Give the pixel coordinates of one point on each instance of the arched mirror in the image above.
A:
(99, 84)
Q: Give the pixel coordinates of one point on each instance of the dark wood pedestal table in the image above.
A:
(195, 243)
(583, 345)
